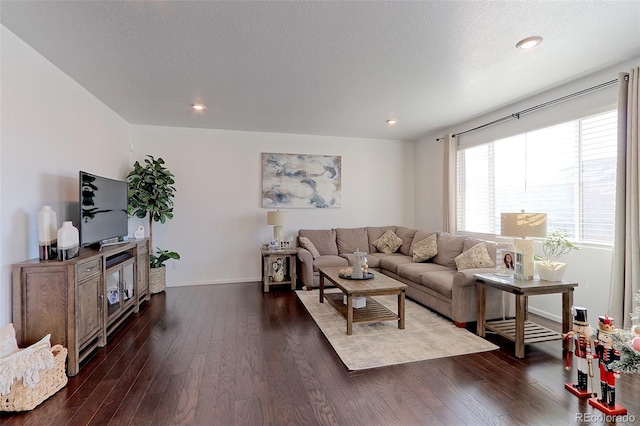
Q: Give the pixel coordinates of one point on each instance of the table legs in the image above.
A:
(349, 315)
(480, 329)
(567, 303)
(321, 287)
(521, 313)
(401, 302)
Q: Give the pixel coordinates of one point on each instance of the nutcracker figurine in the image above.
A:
(607, 354)
(581, 334)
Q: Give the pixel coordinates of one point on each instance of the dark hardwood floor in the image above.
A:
(232, 355)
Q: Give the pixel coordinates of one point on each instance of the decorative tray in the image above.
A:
(366, 276)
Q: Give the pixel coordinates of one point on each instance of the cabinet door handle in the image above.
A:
(89, 269)
(101, 302)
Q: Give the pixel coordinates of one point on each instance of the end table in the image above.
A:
(520, 330)
(288, 257)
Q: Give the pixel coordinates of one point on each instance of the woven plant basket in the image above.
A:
(157, 279)
(24, 398)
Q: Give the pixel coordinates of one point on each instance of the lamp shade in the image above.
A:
(523, 224)
(277, 218)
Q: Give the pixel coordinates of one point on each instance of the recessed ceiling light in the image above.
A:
(529, 42)
(392, 122)
(199, 107)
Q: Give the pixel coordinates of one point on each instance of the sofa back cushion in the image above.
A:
(375, 232)
(323, 239)
(449, 246)
(407, 238)
(351, 239)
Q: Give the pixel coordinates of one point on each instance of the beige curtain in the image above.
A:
(450, 152)
(625, 274)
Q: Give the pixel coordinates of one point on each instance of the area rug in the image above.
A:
(426, 335)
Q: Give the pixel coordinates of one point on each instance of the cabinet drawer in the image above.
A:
(89, 268)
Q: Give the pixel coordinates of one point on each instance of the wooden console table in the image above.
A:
(520, 330)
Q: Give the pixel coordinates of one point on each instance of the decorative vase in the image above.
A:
(551, 272)
(278, 270)
(68, 241)
(157, 279)
(47, 233)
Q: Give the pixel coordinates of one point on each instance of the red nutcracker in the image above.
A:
(607, 354)
(581, 334)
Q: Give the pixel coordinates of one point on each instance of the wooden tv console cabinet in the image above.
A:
(80, 301)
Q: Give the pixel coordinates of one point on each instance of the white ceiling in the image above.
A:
(322, 67)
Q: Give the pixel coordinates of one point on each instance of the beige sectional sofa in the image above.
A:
(440, 283)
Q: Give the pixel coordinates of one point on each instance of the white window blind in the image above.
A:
(566, 171)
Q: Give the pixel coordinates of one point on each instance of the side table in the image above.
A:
(521, 331)
(288, 257)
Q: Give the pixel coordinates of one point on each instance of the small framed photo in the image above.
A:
(505, 261)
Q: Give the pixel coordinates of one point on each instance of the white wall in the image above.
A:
(219, 221)
(51, 128)
(591, 266)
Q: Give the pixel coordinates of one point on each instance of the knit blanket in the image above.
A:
(26, 365)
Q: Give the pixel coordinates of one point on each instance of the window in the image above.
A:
(567, 170)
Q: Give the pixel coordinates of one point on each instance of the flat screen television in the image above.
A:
(103, 211)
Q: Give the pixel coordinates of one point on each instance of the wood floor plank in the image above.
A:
(230, 354)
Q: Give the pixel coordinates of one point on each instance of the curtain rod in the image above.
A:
(517, 115)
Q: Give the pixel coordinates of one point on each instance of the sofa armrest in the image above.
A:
(465, 278)
(305, 267)
(465, 300)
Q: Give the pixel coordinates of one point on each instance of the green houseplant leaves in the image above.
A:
(150, 193)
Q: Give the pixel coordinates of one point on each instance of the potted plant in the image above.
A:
(150, 193)
(555, 245)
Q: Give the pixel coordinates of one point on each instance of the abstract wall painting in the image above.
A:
(301, 181)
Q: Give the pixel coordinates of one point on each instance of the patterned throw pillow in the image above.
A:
(425, 249)
(307, 244)
(389, 242)
(476, 257)
(8, 343)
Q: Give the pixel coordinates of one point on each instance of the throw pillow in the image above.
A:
(307, 244)
(476, 257)
(8, 343)
(388, 243)
(425, 249)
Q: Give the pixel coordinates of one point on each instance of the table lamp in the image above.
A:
(277, 219)
(524, 225)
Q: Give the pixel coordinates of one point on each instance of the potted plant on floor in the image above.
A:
(555, 245)
(151, 192)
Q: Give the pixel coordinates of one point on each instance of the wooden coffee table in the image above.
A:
(379, 285)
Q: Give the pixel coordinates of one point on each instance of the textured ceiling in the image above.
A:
(325, 68)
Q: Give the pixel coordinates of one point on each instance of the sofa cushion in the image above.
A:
(449, 246)
(373, 259)
(351, 239)
(390, 262)
(307, 244)
(439, 281)
(375, 232)
(406, 234)
(413, 271)
(329, 260)
(419, 236)
(323, 239)
(425, 249)
(491, 246)
(389, 242)
(476, 257)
